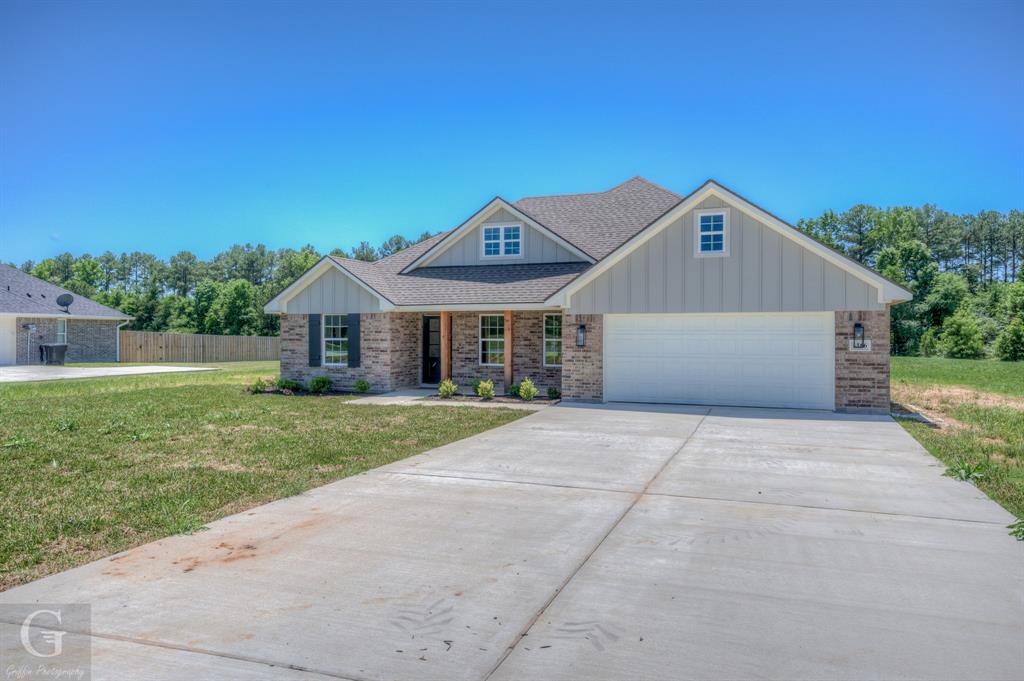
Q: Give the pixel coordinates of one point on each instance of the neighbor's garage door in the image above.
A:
(769, 360)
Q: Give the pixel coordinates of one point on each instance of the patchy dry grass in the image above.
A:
(972, 426)
(91, 467)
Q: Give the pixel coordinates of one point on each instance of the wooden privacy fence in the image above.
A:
(156, 346)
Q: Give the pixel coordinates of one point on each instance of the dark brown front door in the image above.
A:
(431, 349)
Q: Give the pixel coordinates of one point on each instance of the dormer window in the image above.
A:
(502, 241)
(710, 233)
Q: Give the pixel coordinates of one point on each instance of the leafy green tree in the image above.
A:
(235, 309)
(393, 245)
(826, 228)
(87, 276)
(183, 273)
(928, 346)
(205, 296)
(858, 232)
(948, 291)
(364, 251)
(1010, 343)
(960, 337)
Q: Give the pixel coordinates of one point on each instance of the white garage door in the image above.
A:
(761, 360)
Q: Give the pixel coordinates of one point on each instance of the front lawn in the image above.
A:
(979, 408)
(91, 467)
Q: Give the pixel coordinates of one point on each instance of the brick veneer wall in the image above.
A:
(862, 377)
(527, 352)
(583, 368)
(389, 352)
(89, 340)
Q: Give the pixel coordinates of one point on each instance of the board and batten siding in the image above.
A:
(332, 293)
(764, 272)
(536, 247)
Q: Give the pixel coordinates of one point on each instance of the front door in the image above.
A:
(431, 349)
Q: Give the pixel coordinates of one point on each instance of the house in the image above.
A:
(632, 294)
(32, 312)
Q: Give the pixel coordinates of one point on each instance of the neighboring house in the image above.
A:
(632, 294)
(30, 316)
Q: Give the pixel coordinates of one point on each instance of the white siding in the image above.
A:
(536, 247)
(332, 293)
(764, 272)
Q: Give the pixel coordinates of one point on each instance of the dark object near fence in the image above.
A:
(52, 353)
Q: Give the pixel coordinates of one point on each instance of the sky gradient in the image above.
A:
(193, 126)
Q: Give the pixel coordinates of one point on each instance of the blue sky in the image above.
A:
(162, 127)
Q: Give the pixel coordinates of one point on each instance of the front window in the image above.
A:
(710, 233)
(492, 339)
(552, 340)
(335, 340)
(502, 241)
(62, 331)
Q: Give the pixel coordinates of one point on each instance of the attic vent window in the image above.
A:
(502, 241)
(710, 233)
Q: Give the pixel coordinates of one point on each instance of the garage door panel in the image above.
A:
(774, 360)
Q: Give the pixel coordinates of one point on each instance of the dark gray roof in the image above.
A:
(599, 223)
(24, 294)
(595, 223)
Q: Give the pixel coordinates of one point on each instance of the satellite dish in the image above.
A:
(65, 300)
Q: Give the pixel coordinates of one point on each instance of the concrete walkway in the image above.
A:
(34, 372)
(586, 543)
(419, 396)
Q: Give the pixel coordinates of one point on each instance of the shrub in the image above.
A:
(447, 388)
(258, 386)
(929, 343)
(1010, 344)
(960, 337)
(527, 390)
(554, 393)
(361, 386)
(318, 385)
(484, 389)
(289, 385)
(513, 390)
(475, 384)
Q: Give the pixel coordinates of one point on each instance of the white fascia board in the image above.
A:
(479, 217)
(888, 292)
(278, 303)
(475, 307)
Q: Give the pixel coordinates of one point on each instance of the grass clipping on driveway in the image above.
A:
(978, 409)
(94, 466)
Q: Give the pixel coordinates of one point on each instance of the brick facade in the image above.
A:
(862, 377)
(389, 345)
(527, 352)
(89, 340)
(583, 368)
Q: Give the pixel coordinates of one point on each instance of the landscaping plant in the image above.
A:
(485, 389)
(527, 390)
(318, 385)
(361, 386)
(554, 393)
(447, 388)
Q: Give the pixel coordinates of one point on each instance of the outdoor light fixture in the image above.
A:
(858, 335)
(581, 335)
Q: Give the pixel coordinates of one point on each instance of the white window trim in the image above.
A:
(65, 331)
(697, 214)
(544, 340)
(501, 240)
(323, 341)
(480, 340)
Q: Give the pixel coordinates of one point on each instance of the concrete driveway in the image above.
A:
(37, 372)
(587, 543)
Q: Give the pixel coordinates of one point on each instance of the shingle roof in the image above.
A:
(22, 293)
(599, 223)
(595, 223)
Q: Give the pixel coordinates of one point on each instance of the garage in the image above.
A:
(8, 340)
(758, 359)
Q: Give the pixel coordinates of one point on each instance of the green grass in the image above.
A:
(988, 375)
(980, 400)
(95, 466)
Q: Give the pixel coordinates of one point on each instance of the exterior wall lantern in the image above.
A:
(581, 335)
(858, 336)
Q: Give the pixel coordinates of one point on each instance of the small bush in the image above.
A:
(288, 384)
(929, 344)
(447, 388)
(1010, 344)
(513, 390)
(318, 385)
(960, 337)
(475, 384)
(527, 390)
(484, 389)
(967, 471)
(554, 393)
(361, 386)
(258, 386)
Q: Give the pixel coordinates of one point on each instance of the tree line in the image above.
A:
(223, 295)
(966, 273)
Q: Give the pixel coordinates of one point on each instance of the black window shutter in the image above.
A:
(353, 340)
(314, 340)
